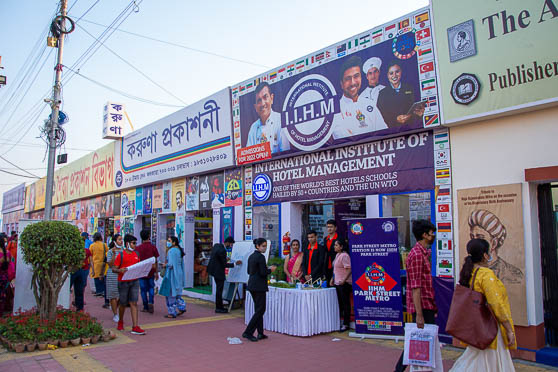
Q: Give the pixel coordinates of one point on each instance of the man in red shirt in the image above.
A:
(330, 252)
(147, 250)
(420, 292)
(313, 258)
(128, 289)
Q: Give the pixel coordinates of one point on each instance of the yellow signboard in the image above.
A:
(495, 56)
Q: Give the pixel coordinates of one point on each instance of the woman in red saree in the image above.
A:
(293, 263)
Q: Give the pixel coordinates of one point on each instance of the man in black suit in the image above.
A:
(314, 258)
(257, 285)
(216, 268)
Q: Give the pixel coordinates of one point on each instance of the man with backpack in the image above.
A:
(128, 289)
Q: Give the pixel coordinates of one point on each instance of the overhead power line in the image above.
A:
(183, 46)
(18, 167)
(19, 175)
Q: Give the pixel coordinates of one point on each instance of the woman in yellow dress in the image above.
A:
(99, 265)
(497, 356)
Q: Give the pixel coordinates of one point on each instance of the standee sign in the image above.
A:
(376, 84)
(384, 166)
(186, 142)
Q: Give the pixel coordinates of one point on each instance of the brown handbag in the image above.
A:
(470, 318)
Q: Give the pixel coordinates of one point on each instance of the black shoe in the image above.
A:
(221, 311)
(261, 336)
(106, 306)
(249, 337)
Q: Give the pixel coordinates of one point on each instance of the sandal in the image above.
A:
(169, 316)
(144, 310)
(181, 312)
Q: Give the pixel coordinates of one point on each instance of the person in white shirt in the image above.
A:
(268, 127)
(357, 115)
(372, 70)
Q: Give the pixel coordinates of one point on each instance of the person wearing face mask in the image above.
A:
(128, 290)
(476, 274)
(116, 246)
(257, 285)
(420, 292)
(175, 274)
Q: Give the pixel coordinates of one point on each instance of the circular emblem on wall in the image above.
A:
(118, 179)
(404, 45)
(375, 274)
(308, 112)
(261, 187)
(465, 89)
(357, 228)
(388, 226)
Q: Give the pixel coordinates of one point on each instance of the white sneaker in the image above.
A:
(115, 318)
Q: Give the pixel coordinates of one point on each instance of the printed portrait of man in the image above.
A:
(371, 69)
(179, 200)
(486, 225)
(268, 126)
(357, 115)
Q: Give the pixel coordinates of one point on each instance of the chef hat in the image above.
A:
(372, 62)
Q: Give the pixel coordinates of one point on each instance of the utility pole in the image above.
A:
(55, 104)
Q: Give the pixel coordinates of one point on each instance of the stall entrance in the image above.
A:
(548, 224)
(203, 242)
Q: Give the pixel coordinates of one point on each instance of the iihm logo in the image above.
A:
(308, 112)
(261, 188)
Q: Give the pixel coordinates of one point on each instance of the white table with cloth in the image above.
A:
(298, 312)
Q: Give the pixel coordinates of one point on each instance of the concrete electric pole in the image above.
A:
(55, 104)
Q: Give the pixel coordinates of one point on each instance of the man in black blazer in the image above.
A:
(314, 258)
(257, 285)
(216, 268)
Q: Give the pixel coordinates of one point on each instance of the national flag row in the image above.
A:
(419, 22)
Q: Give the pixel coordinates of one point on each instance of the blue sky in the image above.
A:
(263, 34)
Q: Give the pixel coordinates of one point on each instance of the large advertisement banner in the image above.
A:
(186, 142)
(495, 213)
(90, 175)
(385, 166)
(376, 84)
(495, 56)
(13, 199)
(374, 248)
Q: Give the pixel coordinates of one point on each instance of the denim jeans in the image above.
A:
(147, 287)
(100, 285)
(80, 281)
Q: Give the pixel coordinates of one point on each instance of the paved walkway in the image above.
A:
(197, 341)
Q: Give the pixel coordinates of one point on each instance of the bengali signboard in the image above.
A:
(379, 83)
(90, 175)
(495, 56)
(377, 293)
(385, 166)
(13, 199)
(186, 142)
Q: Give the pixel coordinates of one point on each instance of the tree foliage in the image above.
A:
(54, 249)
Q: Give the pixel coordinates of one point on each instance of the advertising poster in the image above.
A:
(29, 198)
(167, 191)
(139, 201)
(14, 199)
(233, 187)
(496, 56)
(495, 213)
(227, 227)
(66, 209)
(40, 189)
(82, 225)
(205, 195)
(177, 197)
(131, 202)
(377, 294)
(179, 226)
(385, 166)
(116, 204)
(147, 199)
(189, 141)
(192, 193)
(90, 175)
(158, 196)
(216, 184)
(378, 83)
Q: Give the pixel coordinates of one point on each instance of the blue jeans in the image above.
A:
(100, 285)
(147, 287)
(79, 279)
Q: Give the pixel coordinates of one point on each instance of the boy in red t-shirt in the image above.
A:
(128, 289)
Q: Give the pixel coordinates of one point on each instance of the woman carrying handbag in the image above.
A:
(476, 275)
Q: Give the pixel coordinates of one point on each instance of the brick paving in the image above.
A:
(197, 341)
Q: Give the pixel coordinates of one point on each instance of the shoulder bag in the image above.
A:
(470, 318)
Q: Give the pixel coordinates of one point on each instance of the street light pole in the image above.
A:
(55, 105)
